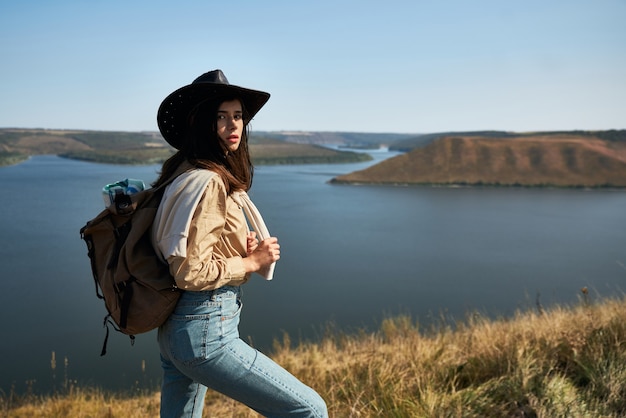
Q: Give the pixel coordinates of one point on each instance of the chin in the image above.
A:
(231, 147)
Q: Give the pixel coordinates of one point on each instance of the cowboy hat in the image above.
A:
(174, 110)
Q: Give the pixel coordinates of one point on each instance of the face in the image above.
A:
(230, 124)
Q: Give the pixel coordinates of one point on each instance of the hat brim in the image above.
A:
(174, 110)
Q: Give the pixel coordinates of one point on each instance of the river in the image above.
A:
(351, 256)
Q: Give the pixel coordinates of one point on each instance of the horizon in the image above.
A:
(350, 66)
(297, 132)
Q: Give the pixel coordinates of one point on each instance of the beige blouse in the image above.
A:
(201, 232)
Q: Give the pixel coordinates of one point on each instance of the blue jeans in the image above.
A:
(200, 349)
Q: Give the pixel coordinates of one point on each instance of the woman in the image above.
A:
(201, 232)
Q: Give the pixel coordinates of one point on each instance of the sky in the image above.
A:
(413, 66)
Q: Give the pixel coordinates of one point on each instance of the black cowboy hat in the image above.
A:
(174, 111)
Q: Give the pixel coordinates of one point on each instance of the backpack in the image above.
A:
(138, 290)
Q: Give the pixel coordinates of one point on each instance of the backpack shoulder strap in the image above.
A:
(178, 209)
(258, 225)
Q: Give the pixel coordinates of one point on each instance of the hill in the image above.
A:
(411, 142)
(346, 139)
(146, 148)
(98, 146)
(417, 141)
(561, 159)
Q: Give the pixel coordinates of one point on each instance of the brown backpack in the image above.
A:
(138, 290)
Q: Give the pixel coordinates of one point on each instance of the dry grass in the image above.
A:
(566, 362)
(536, 160)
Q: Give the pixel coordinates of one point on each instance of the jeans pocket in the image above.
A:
(193, 338)
(187, 335)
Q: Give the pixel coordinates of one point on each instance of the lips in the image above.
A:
(233, 138)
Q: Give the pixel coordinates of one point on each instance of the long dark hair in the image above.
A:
(203, 148)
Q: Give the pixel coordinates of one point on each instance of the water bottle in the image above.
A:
(126, 186)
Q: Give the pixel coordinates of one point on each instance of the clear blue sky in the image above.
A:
(362, 66)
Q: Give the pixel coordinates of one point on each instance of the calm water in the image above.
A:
(351, 255)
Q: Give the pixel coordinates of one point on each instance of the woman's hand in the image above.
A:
(252, 243)
(265, 253)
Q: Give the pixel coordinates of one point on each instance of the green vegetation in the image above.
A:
(267, 151)
(119, 147)
(352, 139)
(147, 148)
(578, 159)
(563, 362)
(340, 157)
(130, 156)
(108, 147)
(11, 158)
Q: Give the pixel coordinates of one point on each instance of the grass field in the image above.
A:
(563, 362)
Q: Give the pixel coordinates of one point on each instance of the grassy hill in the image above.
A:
(97, 146)
(556, 159)
(563, 159)
(347, 139)
(146, 148)
(266, 151)
(411, 142)
(562, 362)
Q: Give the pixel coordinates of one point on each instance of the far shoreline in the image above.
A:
(337, 182)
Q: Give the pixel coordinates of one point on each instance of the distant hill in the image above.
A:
(146, 148)
(410, 142)
(97, 146)
(421, 140)
(347, 139)
(555, 159)
(267, 151)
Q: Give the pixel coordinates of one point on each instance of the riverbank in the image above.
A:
(144, 148)
(562, 362)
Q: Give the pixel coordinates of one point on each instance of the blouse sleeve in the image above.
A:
(209, 263)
